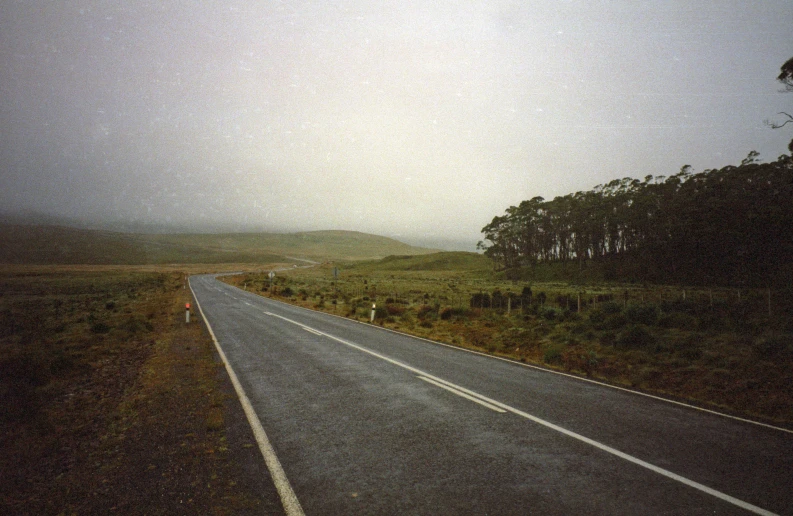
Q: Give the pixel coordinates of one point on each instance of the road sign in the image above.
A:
(272, 274)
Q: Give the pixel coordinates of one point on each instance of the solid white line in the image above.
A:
(288, 498)
(462, 394)
(548, 424)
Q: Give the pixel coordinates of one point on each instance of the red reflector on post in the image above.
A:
(187, 306)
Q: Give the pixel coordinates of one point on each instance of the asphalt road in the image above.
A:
(369, 421)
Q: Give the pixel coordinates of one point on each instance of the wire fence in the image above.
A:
(510, 297)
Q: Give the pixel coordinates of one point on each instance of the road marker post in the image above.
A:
(374, 308)
(187, 313)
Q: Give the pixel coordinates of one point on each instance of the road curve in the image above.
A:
(363, 420)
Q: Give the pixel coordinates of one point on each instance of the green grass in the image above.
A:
(60, 245)
(457, 262)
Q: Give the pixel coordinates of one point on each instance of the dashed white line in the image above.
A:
(462, 394)
(481, 398)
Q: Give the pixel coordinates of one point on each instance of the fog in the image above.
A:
(415, 120)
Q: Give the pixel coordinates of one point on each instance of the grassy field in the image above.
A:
(111, 403)
(60, 245)
(726, 349)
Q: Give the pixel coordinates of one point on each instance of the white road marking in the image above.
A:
(551, 371)
(608, 449)
(288, 498)
(462, 394)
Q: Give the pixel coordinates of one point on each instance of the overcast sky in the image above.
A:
(410, 119)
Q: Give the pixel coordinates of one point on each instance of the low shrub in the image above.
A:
(607, 338)
(679, 320)
(553, 353)
(679, 305)
(100, 327)
(480, 300)
(611, 307)
(548, 312)
(427, 312)
(642, 314)
(634, 337)
(454, 313)
(614, 322)
(393, 309)
(773, 347)
(137, 324)
(711, 321)
(596, 317)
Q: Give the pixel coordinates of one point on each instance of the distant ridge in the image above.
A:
(51, 244)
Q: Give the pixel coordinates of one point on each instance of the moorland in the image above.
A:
(727, 349)
(112, 401)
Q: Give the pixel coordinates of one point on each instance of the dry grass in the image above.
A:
(111, 403)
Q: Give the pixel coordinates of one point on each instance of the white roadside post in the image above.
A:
(374, 307)
(187, 312)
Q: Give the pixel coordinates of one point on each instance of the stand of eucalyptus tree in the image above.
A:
(722, 227)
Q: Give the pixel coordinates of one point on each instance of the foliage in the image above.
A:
(427, 312)
(728, 226)
(643, 314)
(786, 74)
(480, 300)
(553, 353)
(634, 337)
(449, 313)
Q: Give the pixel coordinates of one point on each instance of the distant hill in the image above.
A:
(458, 261)
(42, 244)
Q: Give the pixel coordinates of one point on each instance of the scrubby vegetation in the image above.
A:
(725, 348)
(109, 402)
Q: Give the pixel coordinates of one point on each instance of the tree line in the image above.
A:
(732, 226)
(729, 226)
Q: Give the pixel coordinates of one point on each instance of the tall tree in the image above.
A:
(727, 226)
(786, 78)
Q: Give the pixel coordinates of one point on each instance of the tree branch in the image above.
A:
(777, 126)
